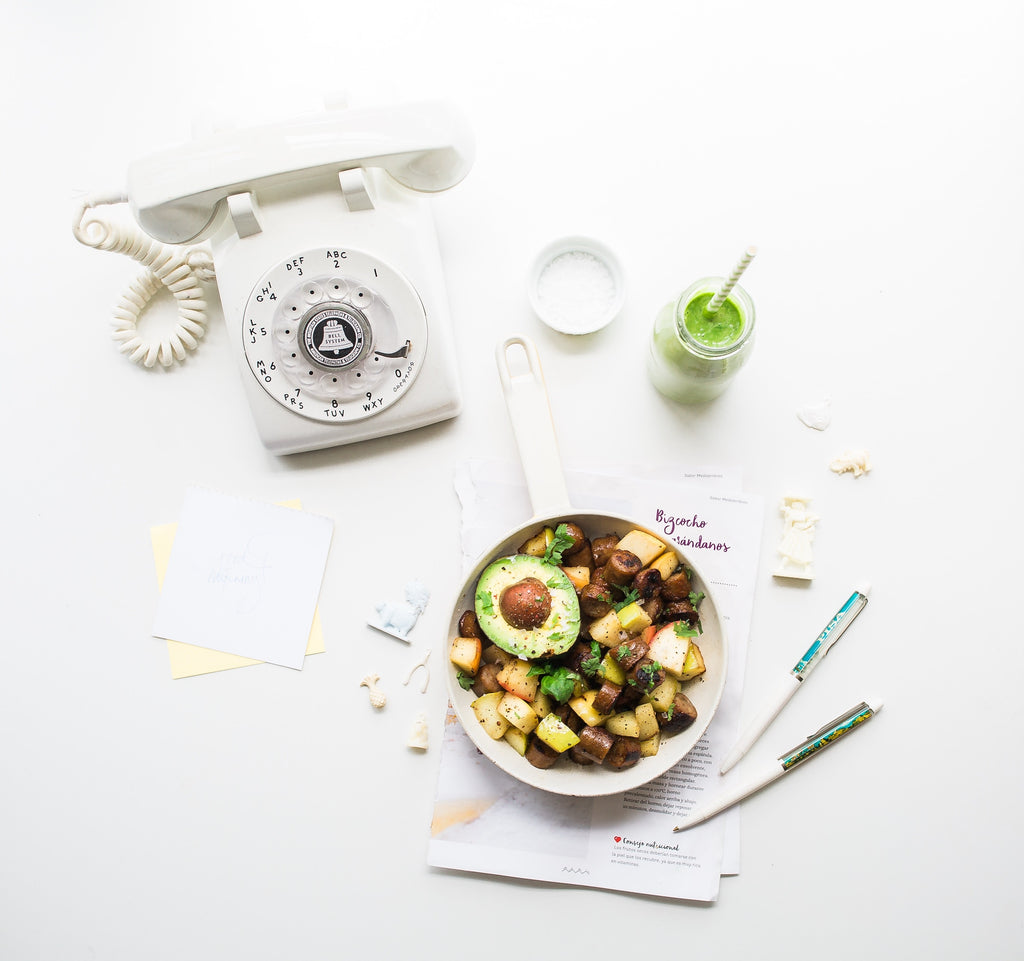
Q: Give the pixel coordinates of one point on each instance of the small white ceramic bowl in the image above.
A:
(575, 285)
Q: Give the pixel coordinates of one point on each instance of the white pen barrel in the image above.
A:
(732, 795)
(780, 698)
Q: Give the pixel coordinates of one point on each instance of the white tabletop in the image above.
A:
(874, 156)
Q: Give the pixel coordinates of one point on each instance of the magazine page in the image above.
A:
(487, 821)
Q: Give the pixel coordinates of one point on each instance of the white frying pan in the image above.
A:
(528, 408)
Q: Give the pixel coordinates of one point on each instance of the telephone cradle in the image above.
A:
(326, 261)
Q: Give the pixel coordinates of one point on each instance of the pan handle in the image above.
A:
(526, 398)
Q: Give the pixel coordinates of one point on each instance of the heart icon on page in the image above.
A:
(617, 839)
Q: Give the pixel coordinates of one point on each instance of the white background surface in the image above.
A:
(872, 152)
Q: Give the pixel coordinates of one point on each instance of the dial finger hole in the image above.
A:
(312, 293)
(337, 288)
(362, 297)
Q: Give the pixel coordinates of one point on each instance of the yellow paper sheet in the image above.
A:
(187, 660)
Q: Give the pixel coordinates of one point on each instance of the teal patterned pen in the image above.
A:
(790, 683)
(816, 743)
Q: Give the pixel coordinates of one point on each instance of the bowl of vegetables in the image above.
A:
(586, 655)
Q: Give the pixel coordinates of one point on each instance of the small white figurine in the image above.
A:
(817, 415)
(377, 698)
(419, 738)
(796, 555)
(398, 618)
(855, 461)
(426, 672)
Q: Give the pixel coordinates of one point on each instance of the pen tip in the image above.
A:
(864, 587)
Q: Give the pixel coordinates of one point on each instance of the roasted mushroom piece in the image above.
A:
(540, 755)
(622, 567)
(595, 742)
(679, 716)
(625, 752)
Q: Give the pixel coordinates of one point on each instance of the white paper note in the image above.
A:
(244, 577)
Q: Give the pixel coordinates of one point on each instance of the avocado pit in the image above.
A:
(526, 604)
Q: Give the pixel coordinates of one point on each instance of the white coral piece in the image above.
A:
(377, 697)
(856, 462)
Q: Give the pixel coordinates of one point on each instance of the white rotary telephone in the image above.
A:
(326, 261)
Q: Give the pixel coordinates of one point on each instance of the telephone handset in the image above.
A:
(326, 261)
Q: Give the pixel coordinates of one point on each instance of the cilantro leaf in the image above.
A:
(630, 597)
(557, 682)
(559, 544)
(466, 681)
(591, 665)
(560, 684)
(486, 602)
(682, 629)
(696, 597)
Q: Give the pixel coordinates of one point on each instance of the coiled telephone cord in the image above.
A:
(180, 270)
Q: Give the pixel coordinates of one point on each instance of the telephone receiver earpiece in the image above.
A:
(174, 194)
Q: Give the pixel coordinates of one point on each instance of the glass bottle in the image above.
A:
(692, 367)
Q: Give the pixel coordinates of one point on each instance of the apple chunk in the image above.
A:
(694, 665)
(465, 654)
(515, 677)
(669, 649)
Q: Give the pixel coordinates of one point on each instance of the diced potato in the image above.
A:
(518, 739)
(634, 618)
(556, 735)
(579, 577)
(515, 677)
(649, 746)
(611, 669)
(465, 654)
(584, 707)
(486, 710)
(542, 704)
(517, 712)
(537, 545)
(664, 695)
(644, 545)
(624, 724)
(647, 721)
(669, 650)
(694, 665)
(666, 564)
(606, 630)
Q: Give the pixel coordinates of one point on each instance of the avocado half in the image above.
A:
(559, 630)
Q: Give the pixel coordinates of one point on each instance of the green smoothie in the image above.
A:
(719, 329)
(694, 355)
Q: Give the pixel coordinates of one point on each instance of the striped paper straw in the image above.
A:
(727, 287)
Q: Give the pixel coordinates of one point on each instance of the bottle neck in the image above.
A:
(718, 334)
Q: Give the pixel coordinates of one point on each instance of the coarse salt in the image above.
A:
(576, 292)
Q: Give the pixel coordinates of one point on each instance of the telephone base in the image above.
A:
(349, 337)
